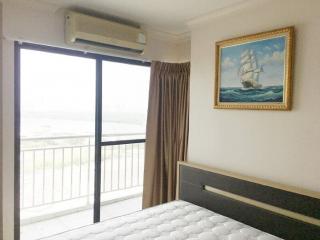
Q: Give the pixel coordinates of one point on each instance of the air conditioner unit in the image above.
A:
(103, 34)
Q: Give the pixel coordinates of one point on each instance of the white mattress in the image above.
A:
(176, 220)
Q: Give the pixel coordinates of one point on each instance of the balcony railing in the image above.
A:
(58, 170)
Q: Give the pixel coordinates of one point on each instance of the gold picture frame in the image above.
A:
(255, 71)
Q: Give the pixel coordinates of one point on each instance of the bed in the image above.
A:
(213, 204)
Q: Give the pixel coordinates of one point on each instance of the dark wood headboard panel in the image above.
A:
(283, 212)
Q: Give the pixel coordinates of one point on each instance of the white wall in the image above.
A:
(278, 146)
(43, 24)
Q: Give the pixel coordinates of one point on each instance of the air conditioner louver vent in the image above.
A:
(109, 46)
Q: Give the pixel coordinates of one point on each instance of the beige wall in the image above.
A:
(0, 121)
(43, 24)
(183, 49)
(8, 138)
(278, 146)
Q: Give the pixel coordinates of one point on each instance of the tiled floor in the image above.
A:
(71, 221)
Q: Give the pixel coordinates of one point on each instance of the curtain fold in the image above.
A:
(167, 130)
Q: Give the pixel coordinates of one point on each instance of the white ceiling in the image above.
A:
(165, 15)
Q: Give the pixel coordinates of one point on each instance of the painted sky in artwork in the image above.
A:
(270, 54)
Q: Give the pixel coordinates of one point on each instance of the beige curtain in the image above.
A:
(167, 130)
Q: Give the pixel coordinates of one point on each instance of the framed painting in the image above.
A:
(255, 71)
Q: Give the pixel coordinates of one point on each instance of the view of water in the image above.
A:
(51, 127)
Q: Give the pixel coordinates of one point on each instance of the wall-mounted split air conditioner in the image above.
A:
(103, 34)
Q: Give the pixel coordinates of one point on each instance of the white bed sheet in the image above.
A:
(177, 220)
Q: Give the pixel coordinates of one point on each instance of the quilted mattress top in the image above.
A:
(177, 220)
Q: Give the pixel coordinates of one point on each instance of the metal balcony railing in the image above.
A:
(59, 169)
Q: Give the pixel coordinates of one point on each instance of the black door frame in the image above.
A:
(18, 46)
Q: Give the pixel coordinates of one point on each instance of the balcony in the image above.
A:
(57, 182)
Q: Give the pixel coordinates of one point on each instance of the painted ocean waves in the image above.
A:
(272, 94)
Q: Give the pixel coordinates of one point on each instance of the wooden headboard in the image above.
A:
(286, 212)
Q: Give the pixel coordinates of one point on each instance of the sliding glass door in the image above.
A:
(125, 90)
(57, 141)
(82, 131)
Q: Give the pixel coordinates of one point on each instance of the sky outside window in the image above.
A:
(125, 90)
(58, 96)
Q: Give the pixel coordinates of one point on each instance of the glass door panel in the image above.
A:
(124, 112)
(57, 142)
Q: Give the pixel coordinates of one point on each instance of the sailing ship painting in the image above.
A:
(249, 70)
(252, 72)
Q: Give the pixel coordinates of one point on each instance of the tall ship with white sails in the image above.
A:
(249, 70)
